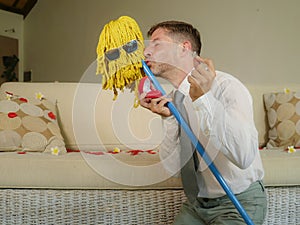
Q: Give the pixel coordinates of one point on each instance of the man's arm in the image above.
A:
(226, 118)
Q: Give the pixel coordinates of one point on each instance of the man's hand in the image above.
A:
(156, 105)
(201, 78)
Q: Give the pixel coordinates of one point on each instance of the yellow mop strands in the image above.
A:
(119, 54)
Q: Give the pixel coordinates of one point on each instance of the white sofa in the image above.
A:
(90, 121)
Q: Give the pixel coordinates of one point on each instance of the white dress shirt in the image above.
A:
(222, 119)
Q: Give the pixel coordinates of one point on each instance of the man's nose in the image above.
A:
(147, 52)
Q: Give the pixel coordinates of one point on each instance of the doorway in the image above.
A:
(8, 59)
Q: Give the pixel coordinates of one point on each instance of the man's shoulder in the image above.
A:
(221, 75)
(228, 82)
(226, 78)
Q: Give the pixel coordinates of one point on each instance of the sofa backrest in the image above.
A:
(91, 119)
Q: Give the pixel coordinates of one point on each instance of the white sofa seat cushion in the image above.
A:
(76, 171)
(72, 171)
(281, 168)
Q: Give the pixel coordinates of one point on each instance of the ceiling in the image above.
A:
(22, 7)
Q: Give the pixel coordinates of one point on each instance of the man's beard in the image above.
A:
(160, 69)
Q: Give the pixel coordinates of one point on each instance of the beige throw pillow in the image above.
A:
(283, 114)
(29, 124)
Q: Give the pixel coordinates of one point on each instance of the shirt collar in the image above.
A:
(184, 87)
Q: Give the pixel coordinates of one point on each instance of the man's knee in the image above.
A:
(187, 215)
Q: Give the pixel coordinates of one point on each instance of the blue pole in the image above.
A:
(199, 147)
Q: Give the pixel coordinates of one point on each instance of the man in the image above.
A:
(220, 113)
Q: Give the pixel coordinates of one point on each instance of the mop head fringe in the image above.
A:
(125, 69)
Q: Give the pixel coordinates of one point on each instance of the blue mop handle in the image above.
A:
(199, 147)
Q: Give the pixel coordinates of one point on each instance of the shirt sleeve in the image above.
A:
(226, 118)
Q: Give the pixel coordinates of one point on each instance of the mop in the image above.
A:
(123, 32)
(120, 67)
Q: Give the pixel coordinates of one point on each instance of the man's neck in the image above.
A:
(176, 78)
(177, 74)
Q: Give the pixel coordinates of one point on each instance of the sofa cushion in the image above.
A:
(283, 114)
(281, 168)
(29, 124)
(75, 170)
(107, 123)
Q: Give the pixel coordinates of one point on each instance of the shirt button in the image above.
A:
(206, 132)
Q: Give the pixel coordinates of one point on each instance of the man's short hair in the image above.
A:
(181, 31)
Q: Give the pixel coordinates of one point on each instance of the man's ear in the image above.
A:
(187, 48)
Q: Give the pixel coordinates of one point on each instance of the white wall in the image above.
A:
(14, 21)
(257, 40)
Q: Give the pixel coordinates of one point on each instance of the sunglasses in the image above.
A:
(129, 47)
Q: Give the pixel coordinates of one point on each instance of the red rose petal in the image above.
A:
(23, 99)
(71, 150)
(9, 93)
(151, 152)
(134, 152)
(52, 115)
(95, 153)
(12, 115)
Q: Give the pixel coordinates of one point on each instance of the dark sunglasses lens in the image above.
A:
(130, 46)
(112, 54)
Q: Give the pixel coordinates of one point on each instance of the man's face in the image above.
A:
(161, 53)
